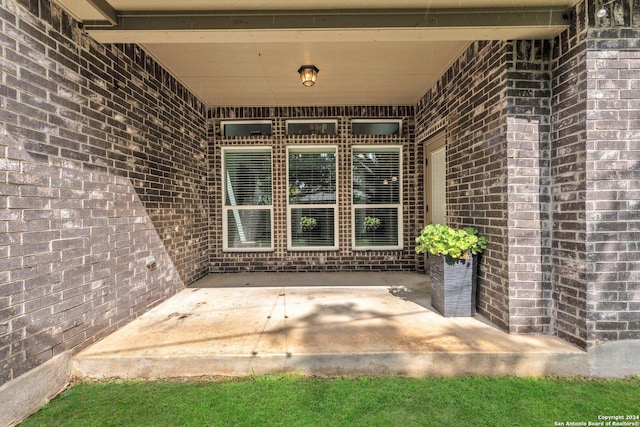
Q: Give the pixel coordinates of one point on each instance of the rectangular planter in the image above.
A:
(453, 285)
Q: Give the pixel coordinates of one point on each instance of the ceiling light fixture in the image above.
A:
(603, 11)
(308, 75)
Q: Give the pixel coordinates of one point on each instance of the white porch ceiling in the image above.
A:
(369, 52)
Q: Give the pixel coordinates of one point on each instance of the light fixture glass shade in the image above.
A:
(602, 12)
(308, 75)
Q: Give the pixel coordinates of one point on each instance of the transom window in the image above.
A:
(312, 127)
(377, 197)
(376, 126)
(245, 127)
(248, 206)
(312, 197)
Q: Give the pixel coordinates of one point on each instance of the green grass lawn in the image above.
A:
(358, 401)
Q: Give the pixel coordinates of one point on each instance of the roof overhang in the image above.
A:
(262, 34)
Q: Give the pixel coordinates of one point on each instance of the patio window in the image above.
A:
(245, 127)
(312, 127)
(377, 197)
(376, 127)
(248, 206)
(312, 198)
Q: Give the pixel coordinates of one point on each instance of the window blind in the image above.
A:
(376, 196)
(247, 199)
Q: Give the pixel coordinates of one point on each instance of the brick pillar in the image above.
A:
(595, 175)
(568, 258)
(528, 206)
(613, 185)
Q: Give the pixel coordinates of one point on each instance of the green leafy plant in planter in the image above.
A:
(371, 223)
(308, 223)
(453, 273)
(439, 239)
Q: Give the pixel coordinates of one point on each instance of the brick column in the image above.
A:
(613, 185)
(528, 196)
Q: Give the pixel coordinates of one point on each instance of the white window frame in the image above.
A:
(398, 206)
(379, 120)
(226, 209)
(290, 207)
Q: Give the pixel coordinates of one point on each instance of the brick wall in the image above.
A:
(102, 156)
(103, 160)
(343, 259)
(542, 158)
(612, 169)
(595, 175)
(471, 98)
(495, 103)
(528, 198)
(568, 186)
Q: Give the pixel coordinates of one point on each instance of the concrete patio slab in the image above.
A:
(318, 324)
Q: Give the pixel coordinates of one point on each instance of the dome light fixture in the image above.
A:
(308, 75)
